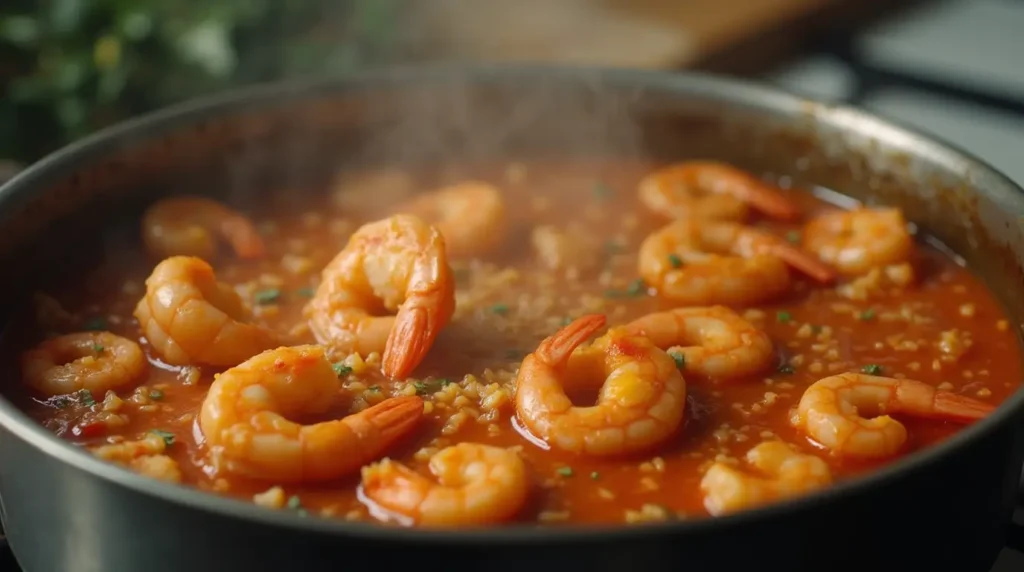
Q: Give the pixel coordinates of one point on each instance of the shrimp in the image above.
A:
(189, 318)
(94, 361)
(726, 345)
(789, 474)
(476, 484)
(191, 226)
(710, 190)
(641, 403)
(144, 456)
(682, 261)
(399, 263)
(245, 419)
(854, 242)
(830, 412)
(471, 217)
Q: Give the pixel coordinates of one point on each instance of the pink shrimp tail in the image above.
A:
(244, 238)
(412, 335)
(556, 349)
(960, 408)
(393, 418)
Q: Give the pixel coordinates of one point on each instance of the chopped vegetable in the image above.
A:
(594, 475)
(679, 358)
(637, 287)
(341, 369)
(268, 296)
(156, 394)
(787, 369)
(565, 471)
(783, 316)
(872, 369)
(304, 292)
(84, 396)
(500, 309)
(867, 314)
(675, 261)
(98, 348)
(167, 437)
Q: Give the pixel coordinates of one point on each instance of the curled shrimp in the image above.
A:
(476, 484)
(706, 263)
(832, 412)
(193, 226)
(94, 361)
(245, 419)
(396, 264)
(641, 403)
(716, 342)
(471, 217)
(710, 190)
(855, 242)
(189, 318)
(786, 474)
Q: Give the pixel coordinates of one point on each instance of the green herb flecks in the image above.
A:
(594, 475)
(793, 236)
(867, 315)
(156, 394)
(500, 309)
(783, 317)
(872, 369)
(787, 369)
(268, 296)
(84, 396)
(679, 358)
(341, 369)
(167, 437)
(565, 471)
(304, 292)
(295, 503)
(675, 261)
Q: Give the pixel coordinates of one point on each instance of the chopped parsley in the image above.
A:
(431, 386)
(295, 503)
(793, 236)
(872, 369)
(565, 471)
(867, 314)
(594, 475)
(341, 369)
(783, 316)
(84, 396)
(500, 309)
(787, 369)
(373, 388)
(304, 292)
(421, 388)
(602, 191)
(167, 437)
(679, 358)
(156, 394)
(268, 296)
(95, 324)
(98, 348)
(675, 261)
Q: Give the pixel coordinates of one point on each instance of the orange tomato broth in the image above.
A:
(723, 420)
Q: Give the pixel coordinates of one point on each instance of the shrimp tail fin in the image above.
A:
(806, 263)
(557, 348)
(956, 407)
(771, 202)
(409, 341)
(394, 417)
(244, 238)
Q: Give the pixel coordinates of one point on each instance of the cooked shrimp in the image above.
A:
(709, 190)
(399, 263)
(786, 474)
(144, 456)
(718, 343)
(189, 318)
(640, 405)
(471, 217)
(854, 242)
(192, 226)
(245, 419)
(832, 411)
(476, 484)
(94, 361)
(695, 263)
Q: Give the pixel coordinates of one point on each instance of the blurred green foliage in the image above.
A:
(68, 67)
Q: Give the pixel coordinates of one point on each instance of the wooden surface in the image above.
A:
(633, 33)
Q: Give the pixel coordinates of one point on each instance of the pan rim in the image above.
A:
(734, 92)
